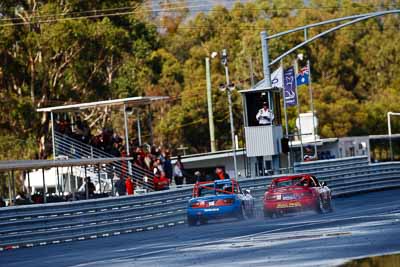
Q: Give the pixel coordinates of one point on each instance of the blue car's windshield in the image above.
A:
(206, 190)
(215, 189)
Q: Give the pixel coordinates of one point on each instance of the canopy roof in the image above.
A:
(260, 87)
(130, 101)
(13, 165)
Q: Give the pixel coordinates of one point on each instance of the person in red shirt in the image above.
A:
(221, 174)
(161, 182)
(129, 186)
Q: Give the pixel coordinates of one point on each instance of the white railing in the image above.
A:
(72, 148)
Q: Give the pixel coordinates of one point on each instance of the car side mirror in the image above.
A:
(323, 184)
(246, 191)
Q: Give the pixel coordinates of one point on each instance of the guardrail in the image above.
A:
(26, 226)
(331, 164)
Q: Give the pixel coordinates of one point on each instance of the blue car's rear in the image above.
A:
(213, 200)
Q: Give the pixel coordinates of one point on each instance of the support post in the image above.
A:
(209, 105)
(29, 186)
(139, 130)
(312, 109)
(390, 135)
(76, 183)
(126, 141)
(13, 184)
(126, 131)
(265, 55)
(10, 190)
(98, 174)
(286, 119)
(298, 111)
(267, 79)
(311, 99)
(86, 184)
(150, 124)
(53, 135)
(44, 188)
(58, 181)
(232, 132)
(70, 181)
(112, 183)
(228, 90)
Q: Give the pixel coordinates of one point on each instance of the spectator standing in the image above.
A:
(148, 161)
(198, 177)
(115, 150)
(140, 161)
(158, 167)
(161, 182)
(120, 187)
(168, 166)
(264, 115)
(129, 186)
(79, 128)
(178, 171)
(308, 155)
(221, 174)
(89, 187)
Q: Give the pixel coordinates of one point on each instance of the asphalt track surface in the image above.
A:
(360, 226)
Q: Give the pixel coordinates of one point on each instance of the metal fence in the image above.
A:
(26, 226)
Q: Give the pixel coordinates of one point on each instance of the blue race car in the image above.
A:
(219, 199)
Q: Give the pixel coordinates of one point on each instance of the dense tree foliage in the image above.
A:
(353, 69)
(50, 55)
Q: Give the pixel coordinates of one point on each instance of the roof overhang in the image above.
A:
(130, 101)
(211, 155)
(260, 90)
(318, 142)
(14, 165)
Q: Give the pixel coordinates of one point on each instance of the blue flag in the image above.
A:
(290, 87)
(303, 76)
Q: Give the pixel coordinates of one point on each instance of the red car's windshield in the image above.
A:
(300, 181)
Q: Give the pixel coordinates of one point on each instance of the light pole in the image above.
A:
(209, 103)
(298, 109)
(228, 87)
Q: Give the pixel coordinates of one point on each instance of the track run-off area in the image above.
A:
(360, 226)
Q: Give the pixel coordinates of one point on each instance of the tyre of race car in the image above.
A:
(268, 214)
(319, 207)
(329, 207)
(241, 213)
(251, 213)
(191, 221)
(203, 221)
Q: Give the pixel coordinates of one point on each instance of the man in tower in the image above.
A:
(264, 115)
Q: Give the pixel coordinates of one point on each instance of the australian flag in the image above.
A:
(303, 76)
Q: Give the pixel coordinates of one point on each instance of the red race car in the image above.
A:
(296, 193)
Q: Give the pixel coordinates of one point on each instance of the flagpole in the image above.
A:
(285, 112)
(312, 109)
(298, 109)
(311, 100)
